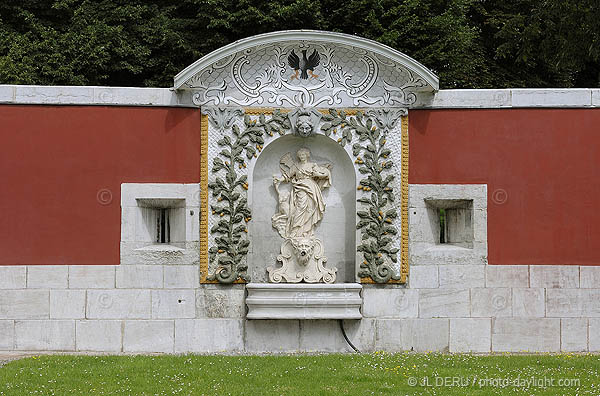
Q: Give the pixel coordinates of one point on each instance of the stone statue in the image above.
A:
(299, 211)
(304, 120)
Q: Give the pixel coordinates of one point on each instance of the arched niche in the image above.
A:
(337, 230)
(363, 91)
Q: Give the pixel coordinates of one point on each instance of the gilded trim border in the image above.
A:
(404, 266)
(204, 199)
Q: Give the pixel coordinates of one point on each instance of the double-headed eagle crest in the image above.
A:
(305, 65)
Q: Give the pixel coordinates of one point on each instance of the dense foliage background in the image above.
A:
(468, 43)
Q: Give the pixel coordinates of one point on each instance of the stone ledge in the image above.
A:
(510, 98)
(304, 301)
(443, 99)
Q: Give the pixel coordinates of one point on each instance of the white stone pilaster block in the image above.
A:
(461, 276)
(322, 335)
(529, 302)
(469, 98)
(554, 276)
(574, 334)
(24, 304)
(67, 304)
(7, 93)
(133, 253)
(423, 277)
(594, 334)
(390, 302)
(423, 253)
(37, 94)
(214, 301)
(596, 97)
(13, 277)
(7, 335)
(91, 276)
(326, 335)
(47, 276)
(507, 276)
(361, 333)
(419, 335)
(551, 97)
(139, 276)
(572, 303)
(118, 304)
(422, 227)
(173, 304)
(130, 96)
(444, 303)
(130, 192)
(45, 335)
(99, 335)
(181, 276)
(129, 218)
(148, 336)
(589, 277)
(491, 302)
(272, 336)
(525, 335)
(208, 335)
(470, 335)
(480, 225)
(418, 193)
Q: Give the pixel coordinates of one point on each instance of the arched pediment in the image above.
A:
(306, 68)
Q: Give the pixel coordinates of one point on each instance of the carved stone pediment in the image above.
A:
(306, 69)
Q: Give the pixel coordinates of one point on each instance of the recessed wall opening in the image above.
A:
(452, 221)
(162, 221)
(443, 233)
(337, 229)
(163, 227)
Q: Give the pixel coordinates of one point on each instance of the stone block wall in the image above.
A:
(163, 308)
(454, 301)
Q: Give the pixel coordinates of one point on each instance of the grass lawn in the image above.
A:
(333, 374)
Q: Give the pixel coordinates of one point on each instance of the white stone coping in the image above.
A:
(166, 97)
(304, 301)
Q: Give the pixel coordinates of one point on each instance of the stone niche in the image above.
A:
(337, 229)
(345, 101)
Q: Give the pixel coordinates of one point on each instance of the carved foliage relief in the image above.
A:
(373, 138)
(308, 74)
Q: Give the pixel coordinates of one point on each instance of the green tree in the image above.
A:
(468, 43)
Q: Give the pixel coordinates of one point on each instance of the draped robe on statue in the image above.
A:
(303, 208)
(306, 201)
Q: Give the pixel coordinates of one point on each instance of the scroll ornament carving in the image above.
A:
(330, 75)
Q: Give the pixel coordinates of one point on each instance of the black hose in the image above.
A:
(346, 337)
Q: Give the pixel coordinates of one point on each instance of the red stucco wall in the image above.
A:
(547, 162)
(54, 161)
